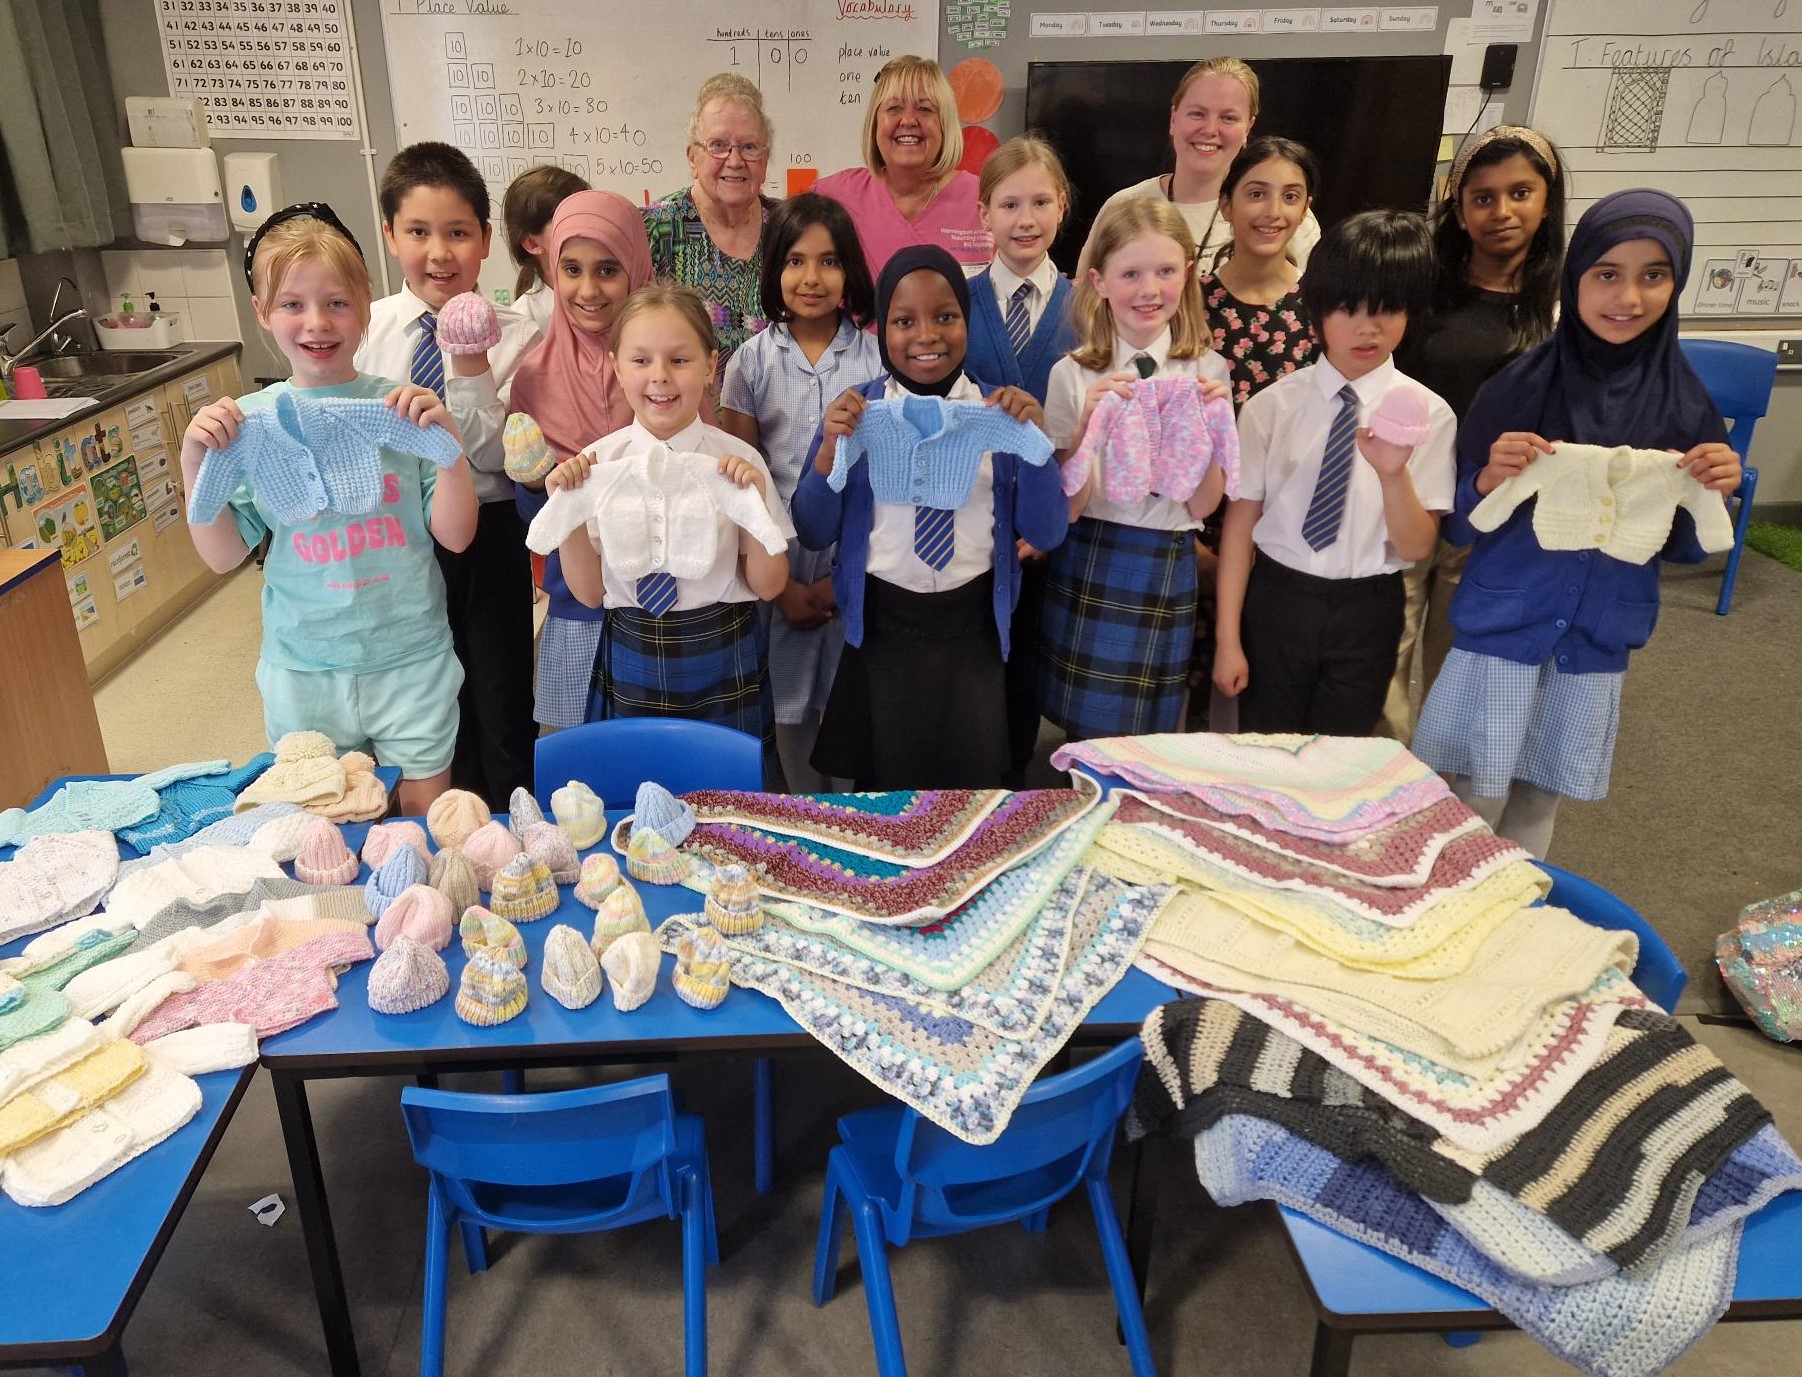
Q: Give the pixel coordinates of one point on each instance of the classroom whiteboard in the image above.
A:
(1698, 98)
(605, 87)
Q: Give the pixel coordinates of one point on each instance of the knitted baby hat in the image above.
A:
(649, 857)
(631, 964)
(547, 842)
(454, 877)
(732, 902)
(384, 837)
(489, 848)
(580, 813)
(599, 877)
(522, 812)
(529, 459)
(467, 324)
(408, 976)
(662, 812)
(1402, 417)
(524, 890)
(570, 975)
(619, 913)
(491, 991)
(306, 771)
(324, 859)
(454, 814)
(485, 931)
(703, 971)
(365, 797)
(419, 912)
(400, 871)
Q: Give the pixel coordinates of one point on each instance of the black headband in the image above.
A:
(301, 210)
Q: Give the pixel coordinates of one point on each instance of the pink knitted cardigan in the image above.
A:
(272, 996)
(1160, 439)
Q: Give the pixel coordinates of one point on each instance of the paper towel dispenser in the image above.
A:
(175, 195)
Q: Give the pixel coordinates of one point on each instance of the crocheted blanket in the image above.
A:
(1619, 1165)
(952, 953)
(885, 891)
(1478, 1114)
(911, 827)
(1623, 1325)
(1331, 788)
(1220, 861)
(964, 1077)
(1760, 958)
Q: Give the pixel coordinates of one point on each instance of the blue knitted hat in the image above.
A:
(662, 812)
(402, 868)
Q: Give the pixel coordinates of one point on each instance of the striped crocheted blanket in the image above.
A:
(910, 827)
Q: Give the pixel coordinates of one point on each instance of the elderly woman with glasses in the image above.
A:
(706, 236)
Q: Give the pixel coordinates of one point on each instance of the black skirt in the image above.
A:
(922, 703)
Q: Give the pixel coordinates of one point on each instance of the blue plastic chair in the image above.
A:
(613, 758)
(1367, 1291)
(567, 1162)
(903, 1177)
(1739, 377)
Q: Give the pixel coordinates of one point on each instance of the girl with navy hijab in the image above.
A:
(1527, 707)
(927, 592)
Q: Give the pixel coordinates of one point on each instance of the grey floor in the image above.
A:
(1708, 786)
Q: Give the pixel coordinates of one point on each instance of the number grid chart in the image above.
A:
(270, 69)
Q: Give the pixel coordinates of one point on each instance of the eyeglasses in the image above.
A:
(308, 210)
(721, 149)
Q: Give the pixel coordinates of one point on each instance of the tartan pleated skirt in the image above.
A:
(706, 663)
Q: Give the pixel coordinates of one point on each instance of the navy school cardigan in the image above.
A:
(1029, 505)
(990, 355)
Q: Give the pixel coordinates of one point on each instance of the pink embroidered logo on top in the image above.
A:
(367, 533)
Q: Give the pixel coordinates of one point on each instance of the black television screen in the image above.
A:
(1372, 121)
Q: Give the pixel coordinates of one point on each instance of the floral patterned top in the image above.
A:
(682, 251)
(1259, 343)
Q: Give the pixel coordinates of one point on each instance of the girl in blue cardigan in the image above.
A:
(927, 591)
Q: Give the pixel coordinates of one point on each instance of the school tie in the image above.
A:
(428, 361)
(1320, 528)
(656, 593)
(1019, 319)
(933, 538)
(1145, 364)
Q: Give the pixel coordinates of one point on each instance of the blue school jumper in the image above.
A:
(992, 358)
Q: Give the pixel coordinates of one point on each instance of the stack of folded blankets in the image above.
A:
(945, 943)
(1394, 1035)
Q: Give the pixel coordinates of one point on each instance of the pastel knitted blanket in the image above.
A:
(1475, 1022)
(961, 1075)
(886, 891)
(925, 451)
(911, 827)
(1620, 1166)
(1620, 1326)
(271, 996)
(1162, 438)
(1337, 789)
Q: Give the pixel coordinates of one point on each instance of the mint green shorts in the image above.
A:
(405, 716)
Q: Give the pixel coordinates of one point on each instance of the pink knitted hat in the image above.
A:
(419, 912)
(385, 836)
(467, 324)
(324, 859)
(547, 842)
(488, 849)
(1403, 416)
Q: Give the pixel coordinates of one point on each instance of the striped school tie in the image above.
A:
(428, 360)
(1320, 528)
(656, 593)
(1019, 319)
(933, 539)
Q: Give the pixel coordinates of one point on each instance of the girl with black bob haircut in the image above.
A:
(787, 223)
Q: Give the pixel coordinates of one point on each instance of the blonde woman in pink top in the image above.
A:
(911, 190)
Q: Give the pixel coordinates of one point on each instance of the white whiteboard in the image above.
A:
(1699, 98)
(605, 87)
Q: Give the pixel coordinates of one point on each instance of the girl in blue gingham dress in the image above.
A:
(818, 295)
(1526, 709)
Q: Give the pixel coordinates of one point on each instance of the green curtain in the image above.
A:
(62, 183)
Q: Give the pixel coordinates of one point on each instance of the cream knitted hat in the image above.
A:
(60, 1165)
(385, 836)
(454, 877)
(522, 812)
(580, 813)
(419, 912)
(599, 876)
(650, 857)
(454, 814)
(365, 797)
(324, 859)
(631, 964)
(491, 991)
(482, 930)
(408, 976)
(733, 906)
(489, 848)
(306, 771)
(570, 975)
(547, 842)
(402, 870)
(621, 912)
(703, 969)
(523, 890)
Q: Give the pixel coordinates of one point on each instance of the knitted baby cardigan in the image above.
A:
(924, 451)
(657, 511)
(306, 456)
(1160, 440)
(1620, 501)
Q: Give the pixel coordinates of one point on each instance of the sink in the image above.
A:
(113, 364)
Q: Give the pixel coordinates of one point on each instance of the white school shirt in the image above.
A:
(478, 404)
(538, 303)
(1282, 439)
(892, 558)
(1211, 230)
(1069, 384)
(1006, 282)
(721, 583)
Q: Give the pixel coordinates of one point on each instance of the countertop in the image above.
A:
(14, 434)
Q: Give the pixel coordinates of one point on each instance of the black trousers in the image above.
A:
(488, 594)
(1321, 651)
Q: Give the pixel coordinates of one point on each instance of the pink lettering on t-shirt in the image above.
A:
(334, 547)
(390, 487)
